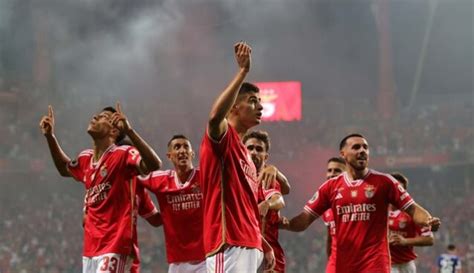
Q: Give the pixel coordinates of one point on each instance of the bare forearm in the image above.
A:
(149, 157)
(284, 184)
(300, 222)
(224, 103)
(419, 241)
(60, 158)
(419, 214)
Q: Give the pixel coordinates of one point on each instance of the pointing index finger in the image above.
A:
(118, 107)
(50, 111)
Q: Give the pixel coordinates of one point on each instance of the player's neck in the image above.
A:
(357, 174)
(238, 126)
(184, 173)
(100, 146)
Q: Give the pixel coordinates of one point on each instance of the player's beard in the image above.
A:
(358, 167)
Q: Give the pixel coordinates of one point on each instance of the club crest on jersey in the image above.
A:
(103, 171)
(195, 189)
(390, 222)
(369, 191)
(402, 224)
(354, 193)
(314, 198)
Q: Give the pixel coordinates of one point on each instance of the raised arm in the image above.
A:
(150, 160)
(217, 124)
(60, 158)
(422, 217)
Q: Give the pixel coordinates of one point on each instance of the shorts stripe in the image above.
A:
(220, 262)
(123, 259)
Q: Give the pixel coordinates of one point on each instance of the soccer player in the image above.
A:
(106, 172)
(404, 235)
(359, 200)
(335, 166)
(146, 209)
(270, 200)
(180, 199)
(232, 239)
(449, 262)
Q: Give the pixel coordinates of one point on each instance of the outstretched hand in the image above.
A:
(119, 120)
(434, 222)
(243, 55)
(397, 239)
(268, 176)
(284, 223)
(47, 122)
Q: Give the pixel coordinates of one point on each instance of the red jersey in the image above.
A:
(328, 219)
(182, 213)
(360, 209)
(230, 187)
(401, 223)
(272, 220)
(144, 207)
(108, 227)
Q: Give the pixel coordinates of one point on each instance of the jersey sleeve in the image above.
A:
(152, 181)
(133, 159)
(221, 144)
(78, 165)
(268, 193)
(320, 202)
(146, 207)
(398, 196)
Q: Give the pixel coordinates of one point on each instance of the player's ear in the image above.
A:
(168, 155)
(115, 132)
(193, 154)
(266, 156)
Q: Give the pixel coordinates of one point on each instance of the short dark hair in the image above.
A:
(178, 136)
(400, 178)
(344, 140)
(260, 135)
(121, 135)
(337, 159)
(248, 88)
(451, 247)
